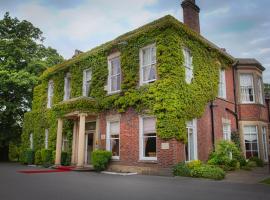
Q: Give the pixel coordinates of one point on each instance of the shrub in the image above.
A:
(251, 164)
(29, 156)
(38, 160)
(100, 159)
(14, 152)
(208, 171)
(194, 163)
(46, 157)
(65, 158)
(181, 169)
(258, 161)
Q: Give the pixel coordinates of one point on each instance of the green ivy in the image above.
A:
(170, 98)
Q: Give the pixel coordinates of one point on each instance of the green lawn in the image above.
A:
(266, 181)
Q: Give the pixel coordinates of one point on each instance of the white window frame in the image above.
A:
(108, 136)
(188, 64)
(260, 90)
(141, 141)
(244, 91)
(192, 125)
(67, 87)
(227, 132)
(31, 141)
(222, 84)
(46, 139)
(50, 94)
(86, 83)
(110, 76)
(258, 148)
(264, 143)
(142, 82)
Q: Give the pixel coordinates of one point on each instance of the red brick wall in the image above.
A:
(253, 112)
(129, 143)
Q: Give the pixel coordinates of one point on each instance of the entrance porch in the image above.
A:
(85, 138)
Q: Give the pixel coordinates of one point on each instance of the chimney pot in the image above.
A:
(191, 14)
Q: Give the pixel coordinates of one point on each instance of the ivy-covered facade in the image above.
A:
(142, 96)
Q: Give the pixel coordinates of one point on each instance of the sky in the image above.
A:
(242, 27)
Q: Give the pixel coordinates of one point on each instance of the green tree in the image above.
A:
(23, 57)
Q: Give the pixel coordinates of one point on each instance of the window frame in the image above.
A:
(229, 133)
(50, 92)
(108, 136)
(257, 136)
(46, 139)
(109, 79)
(222, 93)
(264, 143)
(253, 89)
(86, 83)
(31, 141)
(142, 82)
(188, 64)
(67, 86)
(195, 140)
(260, 90)
(141, 140)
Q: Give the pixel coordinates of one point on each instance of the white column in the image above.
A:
(74, 138)
(59, 142)
(81, 142)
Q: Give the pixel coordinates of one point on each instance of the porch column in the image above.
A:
(81, 142)
(59, 142)
(74, 138)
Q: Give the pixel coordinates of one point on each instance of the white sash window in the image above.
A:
(87, 76)
(148, 64)
(50, 94)
(113, 138)
(227, 131)
(222, 84)
(260, 89)
(251, 141)
(247, 88)
(67, 87)
(114, 78)
(191, 146)
(46, 139)
(188, 65)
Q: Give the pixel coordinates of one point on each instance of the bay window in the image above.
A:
(148, 64)
(260, 90)
(251, 141)
(247, 88)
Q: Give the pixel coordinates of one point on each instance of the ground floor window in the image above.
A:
(31, 141)
(251, 141)
(264, 143)
(227, 131)
(46, 140)
(148, 138)
(113, 139)
(191, 145)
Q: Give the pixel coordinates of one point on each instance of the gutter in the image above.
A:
(212, 124)
(234, 93)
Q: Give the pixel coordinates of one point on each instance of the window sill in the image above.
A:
(112, 93)
(148, 161)
(147, 82)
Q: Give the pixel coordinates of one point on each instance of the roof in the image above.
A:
(249, 62)
(166, 21)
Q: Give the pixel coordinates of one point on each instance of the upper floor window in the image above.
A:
(114, 76)
(148, 64)
(50, 94)
(188, 65)
(87, 76)
(67, 86)
(260, 89)
(46, 140)
(246, 88)
(222, 84)
(148, 138)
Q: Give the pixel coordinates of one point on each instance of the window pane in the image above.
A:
(191, 144)
(115, 146)
(115, 64)
(149, 125)
(146, 56)
(149, 146)
(115, 83)
(114, 128)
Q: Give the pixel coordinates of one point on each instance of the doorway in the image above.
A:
(90, 128)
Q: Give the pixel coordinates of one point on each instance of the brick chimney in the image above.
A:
(191, 14)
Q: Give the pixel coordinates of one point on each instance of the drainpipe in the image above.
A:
(234, 93)
(212, 124)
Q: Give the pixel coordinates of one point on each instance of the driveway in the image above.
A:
(94, 186)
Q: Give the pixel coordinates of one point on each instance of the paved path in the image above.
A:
(248, 177)
(94, 186)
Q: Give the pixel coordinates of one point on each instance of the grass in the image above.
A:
(266, 181)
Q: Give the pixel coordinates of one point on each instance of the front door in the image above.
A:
(90, 128)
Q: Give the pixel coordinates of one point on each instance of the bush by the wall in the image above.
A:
(181, 169)
(38, 159)
(14, 152)
(258, 161)
(28, 157)
(46, 156)
(65, 158)
(198, 170)
(100, 159)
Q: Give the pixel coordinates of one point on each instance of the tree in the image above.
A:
(23, 57)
